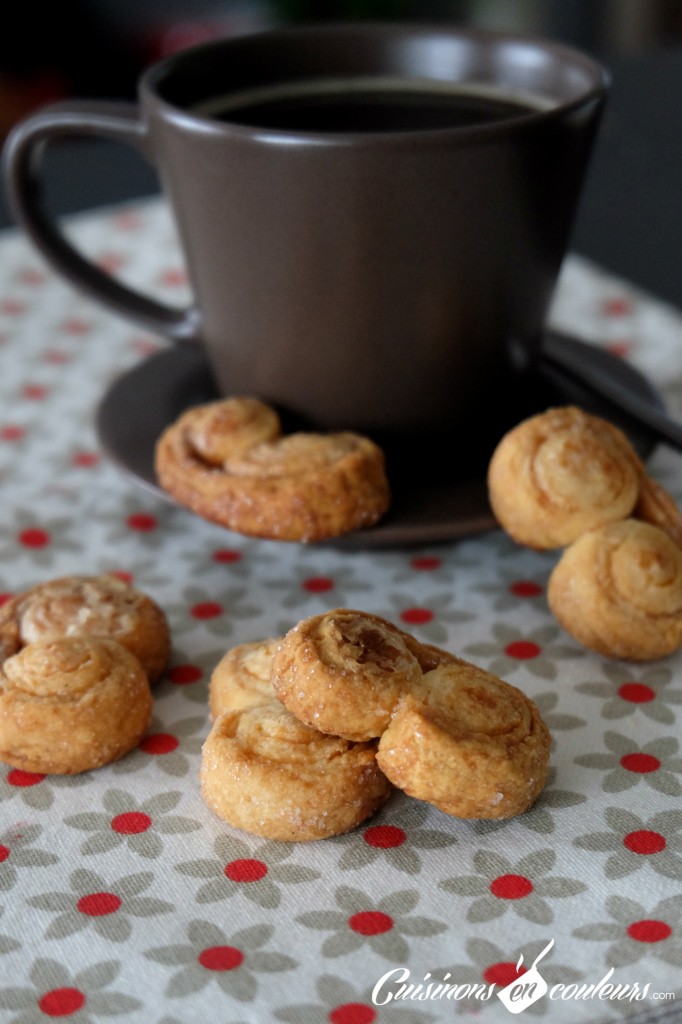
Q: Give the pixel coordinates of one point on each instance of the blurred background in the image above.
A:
(98, 47)
(631, 213)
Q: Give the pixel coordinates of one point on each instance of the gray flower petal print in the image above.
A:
(522, 886)
(126, 820)
(108, 907)
(232, 962)
(635, 931)
(380, 923)
(256, 872)
(634, 843)
(537, 651)
(17, 852)
(83, 996)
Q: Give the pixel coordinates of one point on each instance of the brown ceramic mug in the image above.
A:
(373, 216)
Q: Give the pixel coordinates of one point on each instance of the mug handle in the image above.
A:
(22, 157)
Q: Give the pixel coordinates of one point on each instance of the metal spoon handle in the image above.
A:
(558, 353)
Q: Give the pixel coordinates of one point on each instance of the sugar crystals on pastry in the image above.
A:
(560, 473)
(266, 772)
(299, 487)
(71, 704)
(343, 672)
(467, 742)
(104, 606)
(243, 677)
(362, 705)
(618, 591)
(227, 427)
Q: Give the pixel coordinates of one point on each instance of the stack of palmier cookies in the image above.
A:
(313, 730)
(78, 658)
(567, 479)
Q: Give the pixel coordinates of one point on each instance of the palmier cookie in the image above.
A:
(657, 506)
(468, 743)
(219, 430)
(267, 773)
(243, 678)
(618, 591)
(302, 487)
(71, 704)
(103, 606)
(560, 473)
(344, 671)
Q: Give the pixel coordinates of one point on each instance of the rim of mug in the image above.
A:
(151, 79)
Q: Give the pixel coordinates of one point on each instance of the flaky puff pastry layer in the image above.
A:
(302, 487)
(267, 773)
(559, 474)
(243, 678)
(71, 704)
(657, 506)
(468, 743)
(102, 606)
(344, 671)
(220, 430)
(618, 591)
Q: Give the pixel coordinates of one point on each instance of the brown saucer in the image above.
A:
(146, 399)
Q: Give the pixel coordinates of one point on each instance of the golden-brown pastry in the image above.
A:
(243, 678)
(71, 704)
(302, 487)
(560, 473)
(103, 606)
(468, 743)
(344, 671)
(656, 506)
(428, 655)
(9, 641)
(618, 591)
(265, 772)
(219, 430)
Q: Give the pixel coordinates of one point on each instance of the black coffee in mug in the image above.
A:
(362, 104)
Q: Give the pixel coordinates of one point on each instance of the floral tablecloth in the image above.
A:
(123, 898)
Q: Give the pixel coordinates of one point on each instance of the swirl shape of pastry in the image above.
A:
(302, 487)
(243, 678)
(657, 506)
(103, 606)
(71, 704)
(222, 429)
(468, 743)
(343, 672)
(267, 773)
(559, 474)
(618, 591)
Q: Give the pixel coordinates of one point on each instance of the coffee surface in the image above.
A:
(363, 105)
